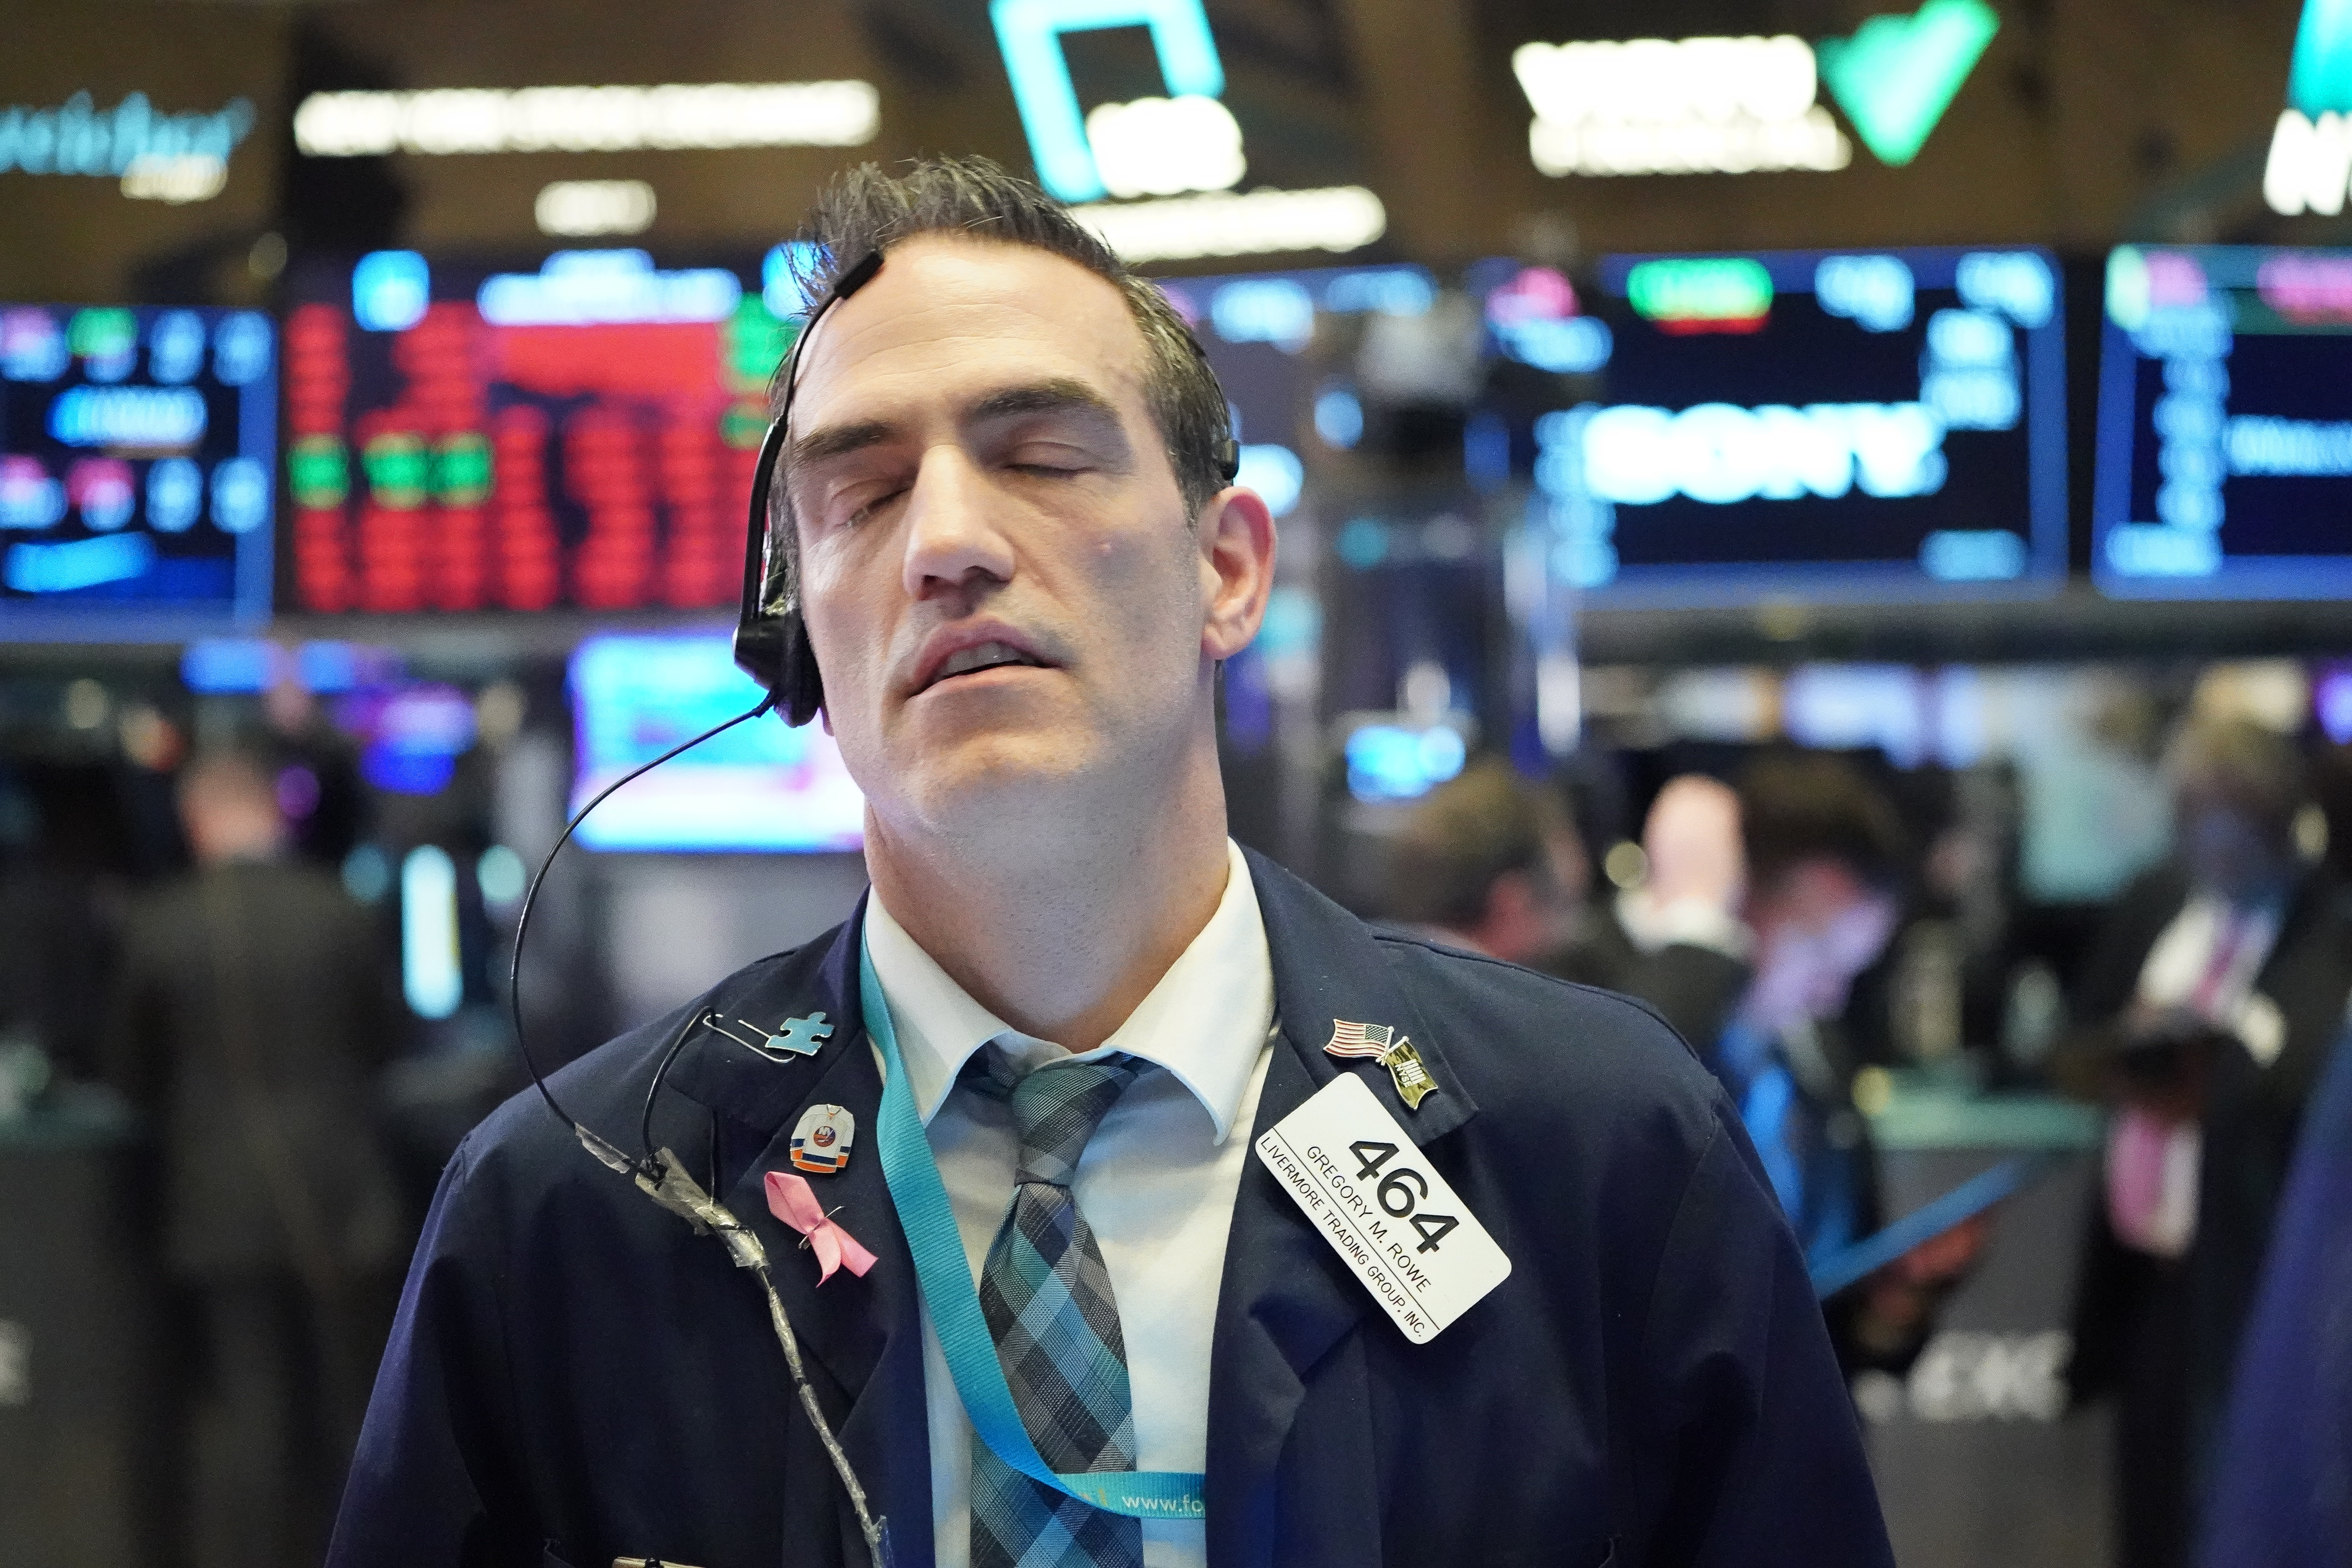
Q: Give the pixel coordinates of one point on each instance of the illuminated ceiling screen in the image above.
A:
(2225, 424)
(579, 432)
(1822, 425)
(137, 448)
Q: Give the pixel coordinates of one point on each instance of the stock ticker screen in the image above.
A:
(1858, 425)
(579, 432)
(137, 454)
(2224, 466)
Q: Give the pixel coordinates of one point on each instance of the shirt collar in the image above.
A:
(1205, 1022)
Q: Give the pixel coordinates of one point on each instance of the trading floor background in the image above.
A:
(1835, 519)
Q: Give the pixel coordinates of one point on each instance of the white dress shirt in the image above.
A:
(1156, 1182)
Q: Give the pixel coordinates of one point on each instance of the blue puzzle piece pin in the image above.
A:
(801, 1036)
(793, 1038)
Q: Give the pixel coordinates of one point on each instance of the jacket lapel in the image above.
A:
(865, 1335)
(1286, 1300)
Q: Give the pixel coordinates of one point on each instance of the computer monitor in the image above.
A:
(137, 454)
(576, 430)
(1826, 425)
(1259, 331)
(761, 786)
(2224, 466)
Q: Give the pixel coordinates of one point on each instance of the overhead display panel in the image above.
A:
(579, 431)
(137, 450)
(1269, 336)
(1158, 177)
(1797, 424)
(2225, 424)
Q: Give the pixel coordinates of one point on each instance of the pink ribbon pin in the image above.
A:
(791, 1200)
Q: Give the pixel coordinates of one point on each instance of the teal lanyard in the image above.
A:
(945, 1274)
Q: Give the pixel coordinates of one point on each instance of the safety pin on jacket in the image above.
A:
(794, 1039)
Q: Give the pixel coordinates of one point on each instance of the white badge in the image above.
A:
(1392, 1219)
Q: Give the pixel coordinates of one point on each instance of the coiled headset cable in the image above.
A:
(659, 1173)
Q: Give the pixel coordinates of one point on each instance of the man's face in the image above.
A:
(1001, 580)
(1816, 929)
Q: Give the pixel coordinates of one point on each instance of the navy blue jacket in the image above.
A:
(575, 1375)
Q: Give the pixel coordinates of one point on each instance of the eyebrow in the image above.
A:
(1061, 395)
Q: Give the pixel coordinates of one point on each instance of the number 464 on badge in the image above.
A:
(1406, 1235)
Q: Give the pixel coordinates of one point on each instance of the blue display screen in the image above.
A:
(1811, 424)
(137, 471)
(1257, 330)
(2225, 424)
(760, 786)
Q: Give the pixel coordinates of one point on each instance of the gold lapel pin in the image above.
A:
(1379, 1042)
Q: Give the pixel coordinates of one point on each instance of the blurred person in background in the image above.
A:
(251, 1014)
(1761, 906)
(1676, 939)
(1490, 862)
(2278, 1498)
(2211, 1004)
(54, 944)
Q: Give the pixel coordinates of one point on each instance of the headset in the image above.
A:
(771, 645)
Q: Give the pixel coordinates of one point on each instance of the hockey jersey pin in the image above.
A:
(821, 1143)
(1379, 1042)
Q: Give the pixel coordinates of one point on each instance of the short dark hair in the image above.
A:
(1466, 833)
(864, 209)
(1803, 806)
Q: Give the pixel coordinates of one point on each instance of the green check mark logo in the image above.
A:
(1896, 75)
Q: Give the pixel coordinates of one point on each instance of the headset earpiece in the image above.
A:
(772, 643)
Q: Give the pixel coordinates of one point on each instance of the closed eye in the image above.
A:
(1050, 458)
(864, 510)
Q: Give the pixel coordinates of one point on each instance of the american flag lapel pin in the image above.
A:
(1379, 1042)
(1366, 1040)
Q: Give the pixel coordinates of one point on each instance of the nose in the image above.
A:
(952, 543)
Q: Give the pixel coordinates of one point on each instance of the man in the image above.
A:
(252, 1013)
(2212, 1001)
(1762, 907)
(1021, 565)
(1489, 863)
(1676, 940)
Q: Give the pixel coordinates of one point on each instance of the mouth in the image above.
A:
(978, 657)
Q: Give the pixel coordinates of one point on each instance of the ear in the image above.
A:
(1237, 545)
(1510, 897)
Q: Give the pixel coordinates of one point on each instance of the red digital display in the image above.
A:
(582, 435)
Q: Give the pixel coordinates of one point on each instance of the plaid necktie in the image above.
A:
(1047, 1299)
